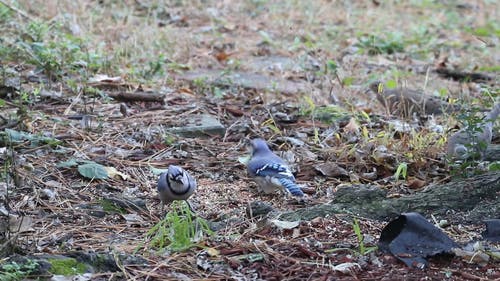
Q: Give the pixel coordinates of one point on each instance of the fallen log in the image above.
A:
(475, 198)
(137, 96)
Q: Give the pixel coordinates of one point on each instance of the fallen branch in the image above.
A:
(462, 76)
(477, 196)
(137, 96)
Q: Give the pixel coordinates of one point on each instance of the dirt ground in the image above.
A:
(295, 73)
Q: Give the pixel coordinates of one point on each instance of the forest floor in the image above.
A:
(295, 73)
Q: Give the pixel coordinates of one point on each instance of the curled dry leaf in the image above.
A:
(347, 267)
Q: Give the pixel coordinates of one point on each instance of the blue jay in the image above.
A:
(269, 171)
(175, 184)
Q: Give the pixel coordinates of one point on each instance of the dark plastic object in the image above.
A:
(412, 239)
(492, 232)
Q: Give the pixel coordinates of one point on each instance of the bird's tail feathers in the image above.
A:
(291, 187)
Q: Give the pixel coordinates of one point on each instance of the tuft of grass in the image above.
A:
(328, 113)
(271, 124)
(362, 250)
(489, 29)
(179, 231)
(374, 45)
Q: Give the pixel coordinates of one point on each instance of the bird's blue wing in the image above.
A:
(274, 170)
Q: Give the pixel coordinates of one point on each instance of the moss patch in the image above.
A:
(111, 207)
(66, 267)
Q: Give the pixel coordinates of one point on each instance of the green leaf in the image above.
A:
(391, 84)
(348, 81)
(331, 66)
(443, 92)
(93, 171)
(16, 136)
(2, 102)
(482, 31)
(36, 140)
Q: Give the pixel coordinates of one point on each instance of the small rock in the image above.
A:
(258, 209)
(200, 126)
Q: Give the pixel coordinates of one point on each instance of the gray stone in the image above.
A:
(199, 126)
(257, 209)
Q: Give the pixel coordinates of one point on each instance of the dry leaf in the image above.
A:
(212, 252)
(415, 183)
(285, 224)
(352, 127)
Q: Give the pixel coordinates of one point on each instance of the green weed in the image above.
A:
(13, 271)
(327, 114)
(362, 249)
(180, 230)
(472, 125)
(374, 45)
(271, 124)
(154, 68)
(401, 171)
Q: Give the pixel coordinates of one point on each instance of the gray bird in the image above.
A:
(175, 184)
(470, 143)
(269, 171)
(405, 102)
